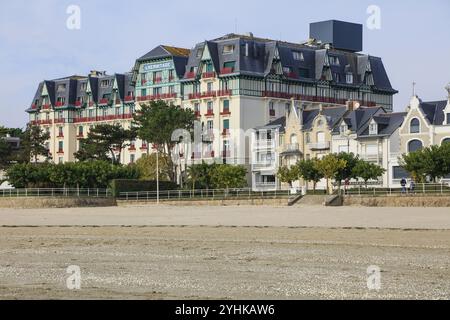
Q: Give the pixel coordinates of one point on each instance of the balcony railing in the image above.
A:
(162, 96)
(292, 75)
(225, 112)
(78, 103)
(226, 71)
(197, 113)
(207, 75)
(208, 94)
(319, 146)
(59, 104)
(129, 99)
(264, 165)
(372, 157)
(41, 122)
(57, 121)
(209, 113)
(190, 75)
(34, 106)
(225, 132)
(265, 144)
(226, 153)
(223, 93)
(293, 147)
(103, 101)
(157, 80)
(46, 106)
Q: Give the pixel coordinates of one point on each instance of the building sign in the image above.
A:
(157, 66)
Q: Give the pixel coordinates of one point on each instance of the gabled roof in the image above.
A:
(434, 111)
(332, 114)
(277, 123)
(387, 124)
(357, 119)
(163, 51)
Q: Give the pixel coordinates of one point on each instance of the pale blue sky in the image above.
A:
(414, 40)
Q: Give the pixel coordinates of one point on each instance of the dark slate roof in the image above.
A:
(179, 56)
(332, 114)
(387, 124)
(357, 119)
(277, 123)
(254, 56)
(434, 111)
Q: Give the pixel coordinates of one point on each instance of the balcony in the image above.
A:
(46, 106)
(59, 104)
(319, 146)
(209, 113)
(372, 158)
(157, 80)
(203, 95)
(143, 82)
(293, 147)
(59, 121)
(226, 71)
(103, 101)
(84, 119)
(118, 101)
(78, 103)
(265, 144)
(144, 147)
(264, 165)
(157, 97)
(129, 99)
(197, 114)
(208, 75)
(190, 75)
(223, 93)
(225, 112)
(132, 148)
(291, 75)
(34, 106)
(60, 151)
(80, 136)
(273, 94)
(171, 78)
(226, 132)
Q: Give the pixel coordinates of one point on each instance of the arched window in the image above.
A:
(446, 140)
(414, 145)
(293, 139)
(414, 126)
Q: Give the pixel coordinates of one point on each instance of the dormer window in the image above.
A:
(334, 61)
(61, 87)
(373, 129)
(298, 56)
(199, 53)
(83, 86)
(227, 49)
(104, 83)
(349, 78)
(343, 129)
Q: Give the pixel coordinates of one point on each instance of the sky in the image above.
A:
(36, 44)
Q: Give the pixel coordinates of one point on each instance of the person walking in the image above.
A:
(412, 186)
(403, 184)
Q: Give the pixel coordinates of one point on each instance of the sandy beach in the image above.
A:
(215, 253)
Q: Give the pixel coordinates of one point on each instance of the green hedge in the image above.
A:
(131, 185)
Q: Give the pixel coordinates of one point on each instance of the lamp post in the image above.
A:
(157, 176)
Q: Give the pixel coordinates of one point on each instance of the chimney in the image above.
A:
(352, 105)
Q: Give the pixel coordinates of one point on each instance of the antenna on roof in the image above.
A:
(414, 88)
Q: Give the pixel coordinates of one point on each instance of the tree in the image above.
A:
(147, 167)
(309, 171)
(227, 176)
(329, 166)
(433, 161)
(33, 144)
(104, 141)
(288, 174)
(156, 123)
(367, 171)
(348, 171)
(5, 149)
(200, 175)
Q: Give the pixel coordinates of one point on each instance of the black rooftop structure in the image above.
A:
(341, 35)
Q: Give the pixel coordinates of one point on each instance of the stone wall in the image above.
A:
(237, 202)
(398, 201)
(55, 202)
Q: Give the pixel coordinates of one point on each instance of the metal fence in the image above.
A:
(418, 189)
(216, 194)
(56, 192)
